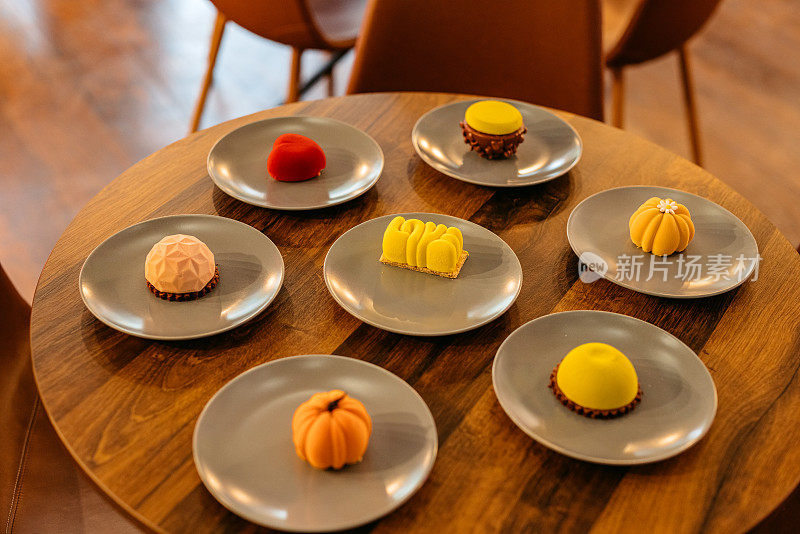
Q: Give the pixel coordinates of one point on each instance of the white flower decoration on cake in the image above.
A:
(667, 206)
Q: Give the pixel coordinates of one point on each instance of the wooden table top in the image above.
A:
(126, 407)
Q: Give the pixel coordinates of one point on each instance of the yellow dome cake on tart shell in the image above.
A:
(596, 380)
(425, 247)
(493, 117)
(661, 226)
(493, 129)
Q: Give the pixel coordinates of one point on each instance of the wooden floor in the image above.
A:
(88, 88)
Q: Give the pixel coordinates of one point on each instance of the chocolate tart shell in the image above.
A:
(183, 297)
(591, 412)
(492, 146)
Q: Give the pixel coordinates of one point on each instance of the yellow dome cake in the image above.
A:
(493, 129)
(661, 226)
(596, 380)
(424, 246)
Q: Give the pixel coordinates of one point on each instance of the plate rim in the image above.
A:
(225, 189)
(626, 285)
(401, 502)
(409, 332)
(235, 324)
(594, 459)
(444, 170)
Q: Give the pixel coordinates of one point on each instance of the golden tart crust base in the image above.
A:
(183, 297)
(591, 412)
(454, 274)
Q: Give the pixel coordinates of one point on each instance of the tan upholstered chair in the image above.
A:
(330, 25)
(636, 31)
(540, 51)
(42, 490)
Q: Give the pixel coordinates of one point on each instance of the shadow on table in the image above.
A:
(115, 350)
(303, 228)
(507, 204)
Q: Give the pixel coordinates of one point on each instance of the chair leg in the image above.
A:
(691, 104)
(617, 97)
(216, 39)
(331, 82)
(294, 76)
(324, 72)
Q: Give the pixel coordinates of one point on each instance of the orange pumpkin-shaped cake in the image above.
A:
(331, 430)
(661, 226)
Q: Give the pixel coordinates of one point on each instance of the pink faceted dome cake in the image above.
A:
(179, 264)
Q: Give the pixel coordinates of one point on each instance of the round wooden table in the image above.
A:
(126, 407)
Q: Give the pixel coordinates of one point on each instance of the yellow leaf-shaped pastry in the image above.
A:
(441, 256)
(432, 233)
(427, 247)
(394, 241)
(455, 232)
(415, 229)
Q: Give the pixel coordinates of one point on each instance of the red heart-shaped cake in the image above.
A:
(295, 158)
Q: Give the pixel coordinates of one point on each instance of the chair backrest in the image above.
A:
(539, 51)
(17, 388)
(14, 319)
(658, 27)
(288, 22)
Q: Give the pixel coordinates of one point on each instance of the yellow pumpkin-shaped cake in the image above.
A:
(331, 429)
(661, 226)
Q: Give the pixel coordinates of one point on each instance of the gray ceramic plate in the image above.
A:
(678, 403)
(551, 147)
(238, 164)
(408, 302)
(112, 282)
(722, 255)
(243, 446)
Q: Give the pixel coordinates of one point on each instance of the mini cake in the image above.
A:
(295, 158)
(596, 380)
(180, 267)
(661, 227)
(493, 129)
(424, 247)
(330, 430)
